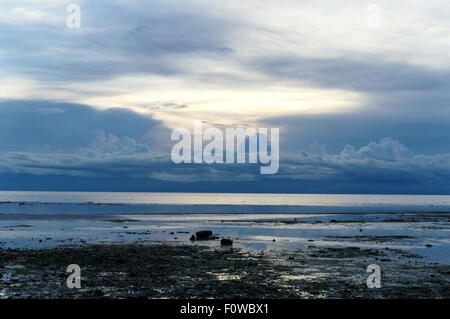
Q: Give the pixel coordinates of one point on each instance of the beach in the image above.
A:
(162, 270)
(295, 255)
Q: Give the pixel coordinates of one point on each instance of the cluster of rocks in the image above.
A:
(208, 235)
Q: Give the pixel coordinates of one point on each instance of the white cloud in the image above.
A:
(387, 149)
(109, 145)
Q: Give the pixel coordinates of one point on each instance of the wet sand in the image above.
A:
(170, 270)
(282, 256)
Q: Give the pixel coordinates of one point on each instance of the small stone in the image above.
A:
(203, 235)
(226, 242)
(428, 246)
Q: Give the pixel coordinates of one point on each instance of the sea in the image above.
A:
(214, 203)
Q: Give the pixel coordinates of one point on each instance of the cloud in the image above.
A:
(387, 165)
(360, 73)
(228, 64)
(386, 161)
(325, 80)
(403, 117)
(111, 145)
(116, 39)
(66, 127)
(387, 149)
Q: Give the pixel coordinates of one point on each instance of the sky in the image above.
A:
(359, 90)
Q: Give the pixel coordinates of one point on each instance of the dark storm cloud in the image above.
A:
(382, 166)
(424, 131)
(359, 73)
(51, 127)
(41, 138)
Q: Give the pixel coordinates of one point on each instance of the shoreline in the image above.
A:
(423, 234)
(279, 256)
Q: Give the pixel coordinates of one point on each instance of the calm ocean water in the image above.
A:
(123, 202)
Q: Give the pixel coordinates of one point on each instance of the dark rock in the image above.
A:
(226, 242)
(203, 235)
(428, 245)
(192, 238)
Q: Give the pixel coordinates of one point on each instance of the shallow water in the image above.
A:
(410, 232)
(256, 221)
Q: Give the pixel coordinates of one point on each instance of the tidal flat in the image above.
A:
(278, 256)
(173, 270)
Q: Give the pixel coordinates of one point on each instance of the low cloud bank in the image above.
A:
(383, 165)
